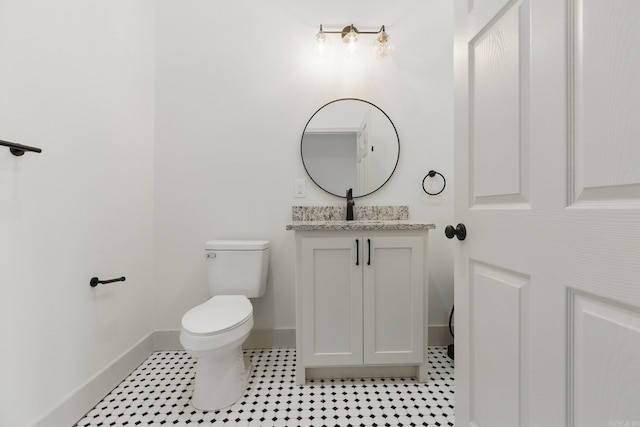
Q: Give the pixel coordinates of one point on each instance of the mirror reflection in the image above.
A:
(350, 143)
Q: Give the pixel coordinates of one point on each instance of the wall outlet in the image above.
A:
(300, 188)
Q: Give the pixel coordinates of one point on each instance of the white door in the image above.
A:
(547, 156)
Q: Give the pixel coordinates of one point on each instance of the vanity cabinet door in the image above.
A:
(393, 291)
(331, 300)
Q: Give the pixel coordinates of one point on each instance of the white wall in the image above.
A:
(77, 80)
(236, 84)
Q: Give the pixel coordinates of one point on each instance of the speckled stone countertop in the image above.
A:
(330, 218)
(358, 225)
(339, 213)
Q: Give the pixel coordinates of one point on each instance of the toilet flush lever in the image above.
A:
(213, 255)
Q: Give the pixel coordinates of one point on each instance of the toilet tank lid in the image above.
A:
(237, 245)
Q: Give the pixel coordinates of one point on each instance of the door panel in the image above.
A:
(607, 102)
(498, 97)
(392, 296)
(481, 12)
(499, 320)
(393, 300)
(605, 384)
(331, 301)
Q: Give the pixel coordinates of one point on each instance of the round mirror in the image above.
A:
(350, 143)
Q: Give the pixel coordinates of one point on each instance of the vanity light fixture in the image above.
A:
(350, 34)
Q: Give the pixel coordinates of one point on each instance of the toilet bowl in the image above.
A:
(214, 331)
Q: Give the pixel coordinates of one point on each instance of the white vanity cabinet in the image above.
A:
(361, 299)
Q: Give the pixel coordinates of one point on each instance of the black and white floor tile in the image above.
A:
(157, 394)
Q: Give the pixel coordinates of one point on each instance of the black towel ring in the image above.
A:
(431, 174)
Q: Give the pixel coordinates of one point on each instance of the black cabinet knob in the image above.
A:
(460, 231)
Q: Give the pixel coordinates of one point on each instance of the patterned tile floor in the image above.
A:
(158, 391)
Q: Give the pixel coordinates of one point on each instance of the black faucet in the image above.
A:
(350, 204)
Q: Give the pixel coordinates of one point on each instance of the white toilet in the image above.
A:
(214, 331)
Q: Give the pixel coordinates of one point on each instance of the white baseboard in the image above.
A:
(258, 338)
(85, 397)
(167, 341)
(439, 335)
(279, 338)
(271, 338)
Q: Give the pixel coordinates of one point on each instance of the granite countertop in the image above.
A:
(358, 225)
(328, 218)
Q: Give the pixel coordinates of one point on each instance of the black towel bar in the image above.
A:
(95, 281)
(19, 149)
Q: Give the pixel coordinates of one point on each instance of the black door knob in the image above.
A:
(460, 231)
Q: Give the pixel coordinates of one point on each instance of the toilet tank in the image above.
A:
(237, 267)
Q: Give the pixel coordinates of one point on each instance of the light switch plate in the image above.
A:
(300, 188)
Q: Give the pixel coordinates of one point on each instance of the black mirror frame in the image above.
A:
(394, 129)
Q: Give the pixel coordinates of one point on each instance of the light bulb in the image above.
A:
(321, 38)
(383, 46)
(351, 43)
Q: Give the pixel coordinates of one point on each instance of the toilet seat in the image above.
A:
(220, 314)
